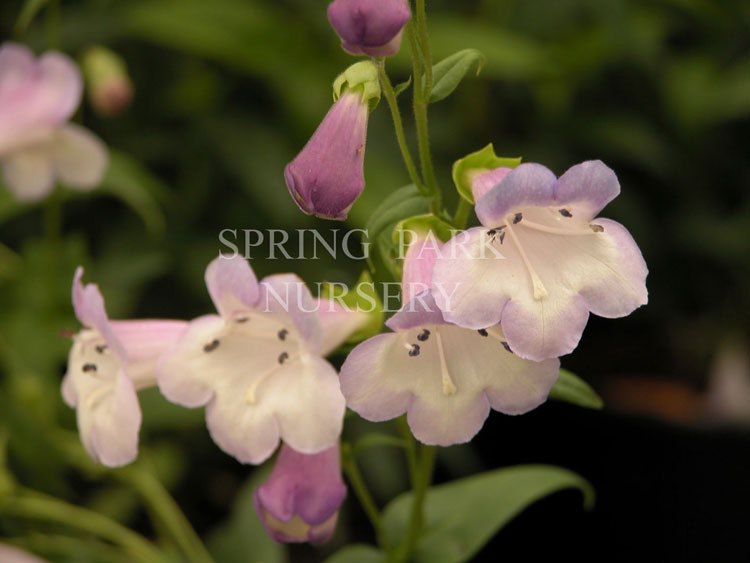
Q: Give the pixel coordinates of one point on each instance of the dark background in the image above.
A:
(226, 92)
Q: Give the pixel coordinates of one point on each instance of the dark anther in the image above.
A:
(491, 233)
(211, 346)
(597, 228)
(424, 335)
(282, 334)
(100, 348)
(566, 213)
(89, 367)
(241, 320)
(483, 332)
(414, 352)
(505, 345)
(283, 357)
(517, 218)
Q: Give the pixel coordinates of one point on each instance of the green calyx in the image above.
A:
(480, 161)
(361, 77)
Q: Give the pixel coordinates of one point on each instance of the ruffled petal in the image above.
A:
(232, 285)
(590, 186)
(418, 265)
(80, 159)
(286, 295)
(29, 173)
(483, 182)
(448, 387)
(421, 310)
(529, 185)
(59, 89)
(109, 428)
(89, 308)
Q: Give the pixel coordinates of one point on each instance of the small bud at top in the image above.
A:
(109, 87)
(369, 27)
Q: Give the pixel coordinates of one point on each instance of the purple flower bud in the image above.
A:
(327, 175)
(369, 27)
(300, 500)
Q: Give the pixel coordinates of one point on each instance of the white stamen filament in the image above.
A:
(250, 394)
(540, 292)
(555, 230)
(96, 396)
(449, 388)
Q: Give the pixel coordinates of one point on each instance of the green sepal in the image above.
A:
(482, 160)
(361, 77)
(572, 389)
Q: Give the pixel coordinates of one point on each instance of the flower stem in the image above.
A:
(422, 72)
(425, 469)
(462, 213)
(398, 125)
(40, 507)
(349, 464)
(166, 511)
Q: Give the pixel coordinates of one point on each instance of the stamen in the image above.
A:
(89, 367)
(483, 332)
(414, 350)
(240, 320)
(565, 213)
(596, 228)
(506, 346)
(100, 348)
(284, 356)
(423, 336)
(211, 346)
(517, 218)
(282, 334)
(449, 388)
(540, 292)
(95, 397)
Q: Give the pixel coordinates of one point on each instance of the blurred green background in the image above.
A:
(226, 93)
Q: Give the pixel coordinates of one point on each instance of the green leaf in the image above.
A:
(357, 553)
(29, 11)
(399, 88)
(137, 187)
(462, 516)
(480, 161)
(448, 73)
(360, 298)
(572, 389)
(426, 223)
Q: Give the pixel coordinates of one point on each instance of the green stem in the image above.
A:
(398, 125)
(53, 510)
(351, 470)
(421, 90)
(166, 511)
(462, 213)
(411, 452)
(53, 217)
(426, 466)
(54, 17)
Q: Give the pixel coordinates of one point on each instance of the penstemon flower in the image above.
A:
(369, 27)
(108, 362)
(257, 366)
(446, 378)
(543, 259)
(37, 146)
(300, 500)
(327, 176)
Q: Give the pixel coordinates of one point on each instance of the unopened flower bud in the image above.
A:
(369, 27)
(110, 89)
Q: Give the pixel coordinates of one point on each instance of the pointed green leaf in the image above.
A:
(573, 389)
(359, 298)
(462, 516)
(399, 88)
(448, 73)
(426, 223)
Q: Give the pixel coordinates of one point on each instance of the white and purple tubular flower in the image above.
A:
(300, 500)
(444, 377)
(542, 260)
(37, 144)
(258, 365)
(369, 27)
(108, 363)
